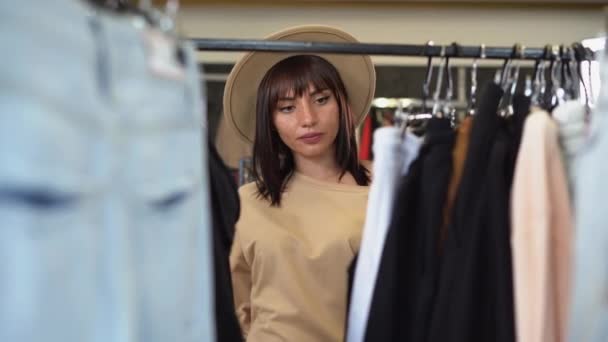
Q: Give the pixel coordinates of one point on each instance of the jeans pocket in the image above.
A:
(167, 208)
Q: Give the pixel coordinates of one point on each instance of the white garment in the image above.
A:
(589, 314)
(570, 117)
(392, 158)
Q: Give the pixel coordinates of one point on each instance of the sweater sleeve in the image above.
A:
(241, 282)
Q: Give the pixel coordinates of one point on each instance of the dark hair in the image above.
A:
(273, 162)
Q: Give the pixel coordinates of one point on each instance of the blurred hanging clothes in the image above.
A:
(542, 233)
(105, 228)
(459, 154)
(589, 313)
(394, 154)
(407, 270)
(474, 300)
(571, 118)
(225, 210)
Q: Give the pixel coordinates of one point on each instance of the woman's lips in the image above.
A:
(311, 138)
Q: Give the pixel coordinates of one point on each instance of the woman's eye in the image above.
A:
(286, 109)
(323, 100)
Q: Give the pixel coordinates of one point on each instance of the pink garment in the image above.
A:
(541, 234)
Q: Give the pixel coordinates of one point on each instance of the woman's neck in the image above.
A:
(323, 168)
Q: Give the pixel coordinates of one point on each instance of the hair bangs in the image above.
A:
(294, 78)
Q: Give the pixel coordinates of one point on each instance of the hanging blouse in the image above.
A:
(393, 155)
(589, 314)
(404, 287)
(541, 234)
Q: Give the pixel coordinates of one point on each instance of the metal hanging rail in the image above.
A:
(453, 50)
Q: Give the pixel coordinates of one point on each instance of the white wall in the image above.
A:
(398, 23)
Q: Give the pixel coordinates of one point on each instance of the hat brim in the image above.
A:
(240, 94)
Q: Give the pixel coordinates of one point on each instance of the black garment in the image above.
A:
(225, 211)
(349, 289)
(521, 109)
(475, 300)
(404, 290)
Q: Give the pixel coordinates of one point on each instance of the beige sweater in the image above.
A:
(542, 232)
(289, 264)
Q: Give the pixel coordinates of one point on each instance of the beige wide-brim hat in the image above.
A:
(357, 73)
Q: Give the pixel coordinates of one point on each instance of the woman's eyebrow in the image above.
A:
(287, 98)
(318, 91)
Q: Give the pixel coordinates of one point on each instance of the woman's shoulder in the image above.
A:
(251, 198)
(248, 191)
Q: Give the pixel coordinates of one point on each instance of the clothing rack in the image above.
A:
(549, 52)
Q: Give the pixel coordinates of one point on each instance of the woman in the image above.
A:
(301, 219)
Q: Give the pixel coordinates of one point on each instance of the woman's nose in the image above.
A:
(308, 115)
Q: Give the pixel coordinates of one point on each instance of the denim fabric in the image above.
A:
(104, 219)
(589, 314)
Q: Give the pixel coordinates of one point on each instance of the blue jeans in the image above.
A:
(104, 211)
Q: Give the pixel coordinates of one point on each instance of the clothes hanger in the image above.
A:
(535, 84)
(532, 82)
(557, 92)
(165, 22)
(549, 96)
(573, 87)
(407, 116)
(579, 54)
(540, 82)
(501, 76)
(402, 117)
(171, 10)
(528, 90)
(564, 72)
(473, 96)
(114, 5)
(449, 110)
(565, 89)
(519, 51)
(508, 80)
(164, 19)
(436, 95)
(565, 80)
(427, 79)
(125, 7)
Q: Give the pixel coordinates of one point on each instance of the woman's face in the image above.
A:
(309, 124)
